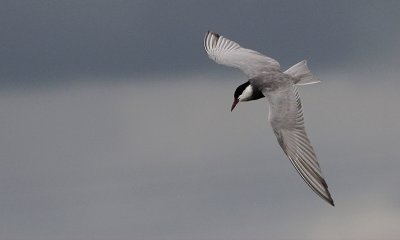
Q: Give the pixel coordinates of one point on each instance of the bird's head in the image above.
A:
(245, 92)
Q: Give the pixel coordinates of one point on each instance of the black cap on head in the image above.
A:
(239, 90)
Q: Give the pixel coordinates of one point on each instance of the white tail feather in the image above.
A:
(302, 74)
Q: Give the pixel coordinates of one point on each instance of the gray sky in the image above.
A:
(114, 123)
(53, 39)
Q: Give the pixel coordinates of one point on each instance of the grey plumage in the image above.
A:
(285, 109)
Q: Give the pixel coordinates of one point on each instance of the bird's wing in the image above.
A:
(287, 121)
(229, 53)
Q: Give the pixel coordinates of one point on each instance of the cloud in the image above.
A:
(166, 159)
(368, 220)
(55, 40)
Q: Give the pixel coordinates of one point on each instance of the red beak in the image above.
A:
(235, 102)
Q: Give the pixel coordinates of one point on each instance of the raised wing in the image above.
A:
(229, 53)
(287, 121)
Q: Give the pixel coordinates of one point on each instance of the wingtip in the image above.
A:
(212, 33)
(329, 199)
(208, 39)
(328, 196)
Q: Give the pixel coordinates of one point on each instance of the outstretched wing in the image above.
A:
(229, 53)
(287, 121)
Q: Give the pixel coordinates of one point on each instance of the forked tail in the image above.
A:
(302, 74)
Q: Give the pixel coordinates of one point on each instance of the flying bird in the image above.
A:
(266, 79)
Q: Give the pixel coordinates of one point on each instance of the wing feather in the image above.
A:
(230, 53)
(287, 120)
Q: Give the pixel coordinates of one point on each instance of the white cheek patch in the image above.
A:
(246, 94)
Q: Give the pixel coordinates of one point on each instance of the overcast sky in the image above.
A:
(54, 39)
(114, 123)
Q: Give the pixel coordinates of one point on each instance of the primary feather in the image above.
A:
(287, 121)
(229, 53)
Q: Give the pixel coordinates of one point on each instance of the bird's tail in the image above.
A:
(302, 74)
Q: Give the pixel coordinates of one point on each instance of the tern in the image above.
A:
(266, 79)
